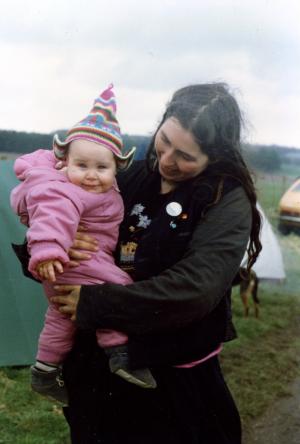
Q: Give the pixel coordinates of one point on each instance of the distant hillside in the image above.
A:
(21, 142)
(271, 157)
(15, 142)
(260, 157)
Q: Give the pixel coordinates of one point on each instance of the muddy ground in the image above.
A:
(281, 423)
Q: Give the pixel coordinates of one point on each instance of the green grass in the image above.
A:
(261, 362)
(26, 418)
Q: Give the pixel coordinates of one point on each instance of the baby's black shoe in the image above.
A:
(49, 384)
(119, 364)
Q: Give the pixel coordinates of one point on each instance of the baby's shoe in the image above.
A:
(49, 384)
(141, 377)
(119, 364)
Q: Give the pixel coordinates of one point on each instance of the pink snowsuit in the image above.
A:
(53, 208)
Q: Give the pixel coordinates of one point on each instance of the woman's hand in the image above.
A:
(82, 242)
(67, 299)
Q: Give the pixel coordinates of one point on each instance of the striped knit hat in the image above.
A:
(100, 126)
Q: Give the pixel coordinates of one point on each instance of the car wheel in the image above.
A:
(283, 229)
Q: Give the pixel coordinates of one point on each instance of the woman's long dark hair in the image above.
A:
(212, 115)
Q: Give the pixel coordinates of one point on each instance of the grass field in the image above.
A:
(26, 418)
(264, 358)
(261, 362)
(258, 365)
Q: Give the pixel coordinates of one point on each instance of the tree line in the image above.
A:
(260, 157)
(22, 142)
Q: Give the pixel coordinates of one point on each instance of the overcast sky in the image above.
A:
(57, 55)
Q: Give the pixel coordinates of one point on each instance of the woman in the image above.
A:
(190, 210)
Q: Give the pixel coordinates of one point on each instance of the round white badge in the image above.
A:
(174, 209)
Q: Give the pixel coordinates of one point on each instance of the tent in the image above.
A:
(22, 302)
(269, 265)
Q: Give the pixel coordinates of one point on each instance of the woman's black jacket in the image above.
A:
(183, 313)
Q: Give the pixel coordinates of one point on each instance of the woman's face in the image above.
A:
(179, 156)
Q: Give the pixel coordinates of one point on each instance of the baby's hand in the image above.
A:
(47, 269)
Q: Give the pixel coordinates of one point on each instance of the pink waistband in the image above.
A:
(194, 363)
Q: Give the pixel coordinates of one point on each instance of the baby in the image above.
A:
(53, 203)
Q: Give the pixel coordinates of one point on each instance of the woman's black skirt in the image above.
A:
(189, 406)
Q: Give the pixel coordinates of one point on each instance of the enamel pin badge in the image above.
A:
(174, 209)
